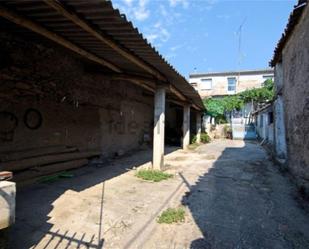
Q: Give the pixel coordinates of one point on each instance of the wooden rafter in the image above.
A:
(24, 22)
(177, 93)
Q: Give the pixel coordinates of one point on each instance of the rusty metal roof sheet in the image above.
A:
(293, 21)
(101, 15)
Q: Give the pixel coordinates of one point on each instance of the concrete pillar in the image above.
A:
(280, 132)
(7, 204)
(158, 131)
(186, 127)
(198, 127)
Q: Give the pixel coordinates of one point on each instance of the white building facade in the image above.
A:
(228, 83)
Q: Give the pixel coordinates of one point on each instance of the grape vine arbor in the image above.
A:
(217, 108)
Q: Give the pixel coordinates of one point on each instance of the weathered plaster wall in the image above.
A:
(295, 94)
(264, 127)
(78, 107)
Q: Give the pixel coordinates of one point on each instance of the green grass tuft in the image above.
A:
(172, 215)
(152, 175)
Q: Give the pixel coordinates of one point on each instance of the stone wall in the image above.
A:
(295, 94)
(49, 96)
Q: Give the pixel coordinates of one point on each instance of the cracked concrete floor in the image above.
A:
(233, 195)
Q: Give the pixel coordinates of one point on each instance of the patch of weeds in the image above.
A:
(172, 215)
(205, 138)
(153, 175)
(193, 146)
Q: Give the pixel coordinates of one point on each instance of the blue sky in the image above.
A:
(203, 35)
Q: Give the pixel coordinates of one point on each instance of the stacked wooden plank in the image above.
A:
(37, 162)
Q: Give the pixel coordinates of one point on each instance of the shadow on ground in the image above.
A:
(244, 202)
(35, 203)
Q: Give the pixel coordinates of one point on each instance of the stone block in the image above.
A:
(7, 203)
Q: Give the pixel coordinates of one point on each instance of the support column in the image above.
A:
(186, 126)
(198, 127)
(158, 131)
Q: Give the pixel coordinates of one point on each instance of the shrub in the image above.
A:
(193, 139)
(205, 138)
(172, 215)
(152, 175)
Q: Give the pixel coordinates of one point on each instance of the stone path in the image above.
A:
(233, 195)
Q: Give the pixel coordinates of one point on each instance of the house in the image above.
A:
(264, 123)
(219, 84)
(291, 106)
(78, 81)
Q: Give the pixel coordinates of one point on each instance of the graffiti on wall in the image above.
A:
(33, 119)
(9, 122)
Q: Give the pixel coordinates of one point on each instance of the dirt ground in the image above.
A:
(233, 195)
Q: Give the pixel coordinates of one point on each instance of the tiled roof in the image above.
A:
(293, 21)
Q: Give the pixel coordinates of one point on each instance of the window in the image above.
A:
(231, 85)
(270, 117)
(206, 84)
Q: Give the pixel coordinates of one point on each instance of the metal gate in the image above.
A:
(241, 130)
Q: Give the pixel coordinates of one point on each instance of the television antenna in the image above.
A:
(240, 53)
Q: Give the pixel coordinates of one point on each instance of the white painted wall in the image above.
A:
(220, 83)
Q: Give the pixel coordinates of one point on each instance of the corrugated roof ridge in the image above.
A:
(147, 42)
(233, 72)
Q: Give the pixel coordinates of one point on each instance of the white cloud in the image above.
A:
(158, 33)
(151, 37)
(184, 3)
(135, 9)
(177, 47)
(128, 2)
(141, 12)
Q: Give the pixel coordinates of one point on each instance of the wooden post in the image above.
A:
(186, 126)
(158, 131)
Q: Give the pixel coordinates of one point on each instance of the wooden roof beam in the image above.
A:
(102, 37)
(177, 93)
(24, 22)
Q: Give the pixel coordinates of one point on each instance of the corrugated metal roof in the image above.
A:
(293, 21)
(104, 18)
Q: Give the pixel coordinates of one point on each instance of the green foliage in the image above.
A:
(152, 175)
(221, 119)
(259, 95)
(193, 139)
(215, 107)
(172, 215)
(205, 138)
(232, 102)
(218, 107)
